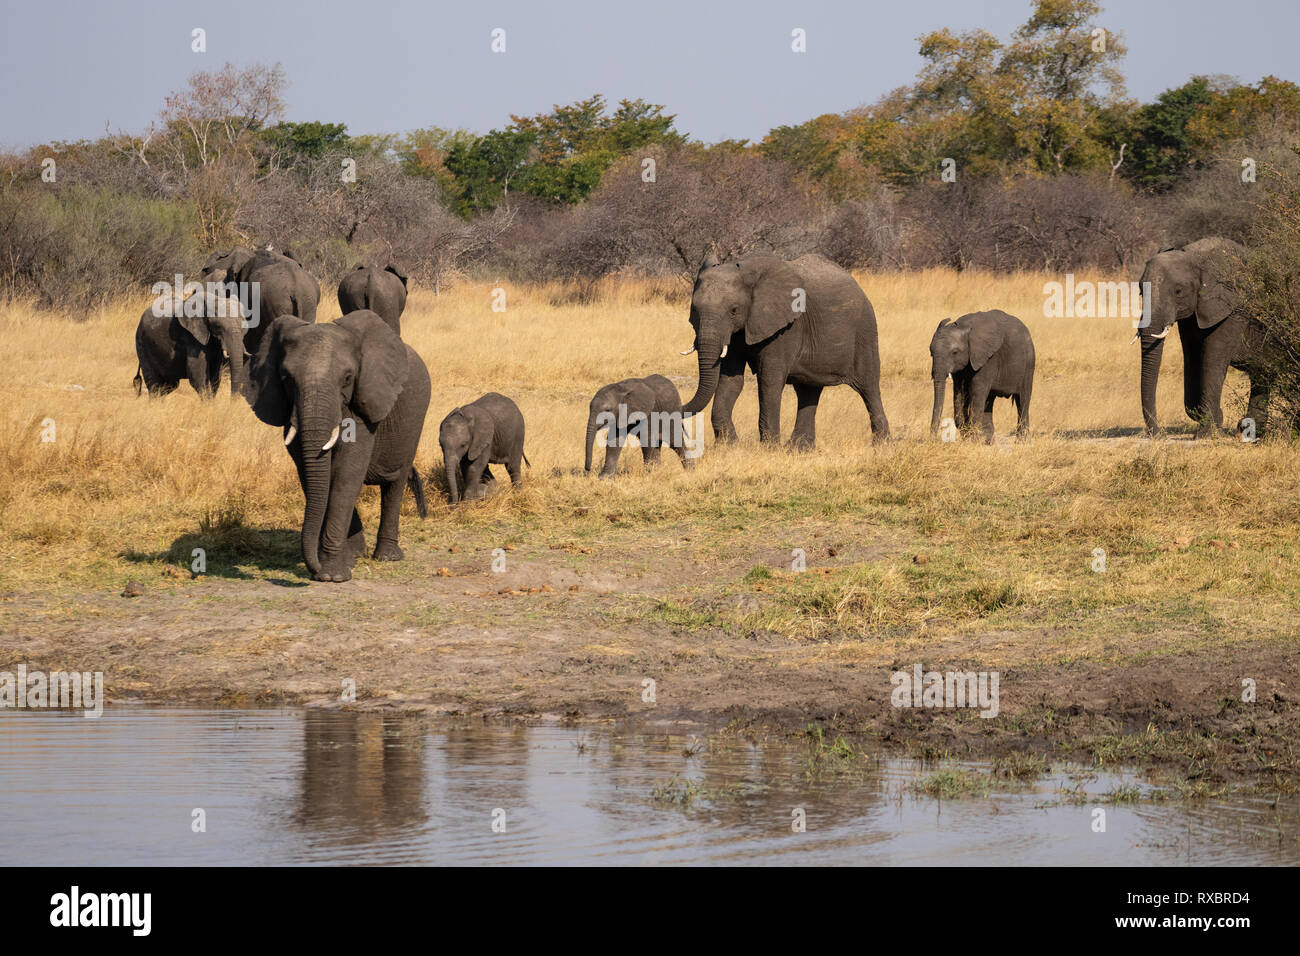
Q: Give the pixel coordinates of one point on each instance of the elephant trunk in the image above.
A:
(940, 384)
(1152, 350)
(233, 344)
(453, 476)
(314, 434)
(710, 365)
(592, 428)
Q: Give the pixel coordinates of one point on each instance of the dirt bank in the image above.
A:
(560, 635)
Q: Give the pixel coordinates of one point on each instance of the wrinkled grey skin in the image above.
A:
(307, 378)
(172, 345)
(746, 305)
(380, 290)
(285, 287)
(641, 397)
(489, 430)
(989, 355)
(1191, 287)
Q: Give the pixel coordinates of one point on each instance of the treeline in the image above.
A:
(1023, 153)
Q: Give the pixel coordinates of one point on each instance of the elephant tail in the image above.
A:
(416, 484)
(526, 461)
(138, 381)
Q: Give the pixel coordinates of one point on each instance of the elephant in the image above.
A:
(351, 398)
(1190, 287)
(489, 430)
(804, 322)
(379, 290)
(284, 287)
(190, 339)
(989, 355)
(648, 408)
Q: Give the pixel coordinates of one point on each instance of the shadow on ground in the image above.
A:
(230, 552)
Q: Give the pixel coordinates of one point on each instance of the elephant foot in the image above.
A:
(337, 577)
(388, 551)
(606, 476)
(356, 545)
(335, 568)
(801, 443)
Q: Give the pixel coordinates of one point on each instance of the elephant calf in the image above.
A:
(382, 291)
(648, 408)
(489, 430)
(989, 355)
(190, 340)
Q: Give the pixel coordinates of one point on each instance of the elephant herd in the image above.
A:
(351, 397)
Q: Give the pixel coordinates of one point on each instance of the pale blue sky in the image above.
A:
(723, 66)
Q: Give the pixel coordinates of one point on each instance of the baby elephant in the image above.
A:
(989, 355)
(487, 430)
(648, 408)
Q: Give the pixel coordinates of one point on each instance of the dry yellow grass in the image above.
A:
(127, 477)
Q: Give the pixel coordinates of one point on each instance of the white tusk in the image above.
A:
(334, 436)
(724, 352)
(1136, 336)
(289, 435)
(1168, 329)
(688, 351)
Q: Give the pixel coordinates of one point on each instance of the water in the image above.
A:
(306, 786)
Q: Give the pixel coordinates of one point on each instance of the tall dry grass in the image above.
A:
(128, 476)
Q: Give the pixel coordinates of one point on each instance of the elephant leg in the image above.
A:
(960, 403)
(805, 419)
(1214, 369)
(613, 448)
(651, 441)
(870, 395)
(390, 513)
(196, 370)
(1257, 407)
(770, 387)
(341, 525)
(474, 479)
(728, 391)
(158, 387)
(1022, 411)
(356, 546)
(513, 467)
(981, 399)
(1192, 340)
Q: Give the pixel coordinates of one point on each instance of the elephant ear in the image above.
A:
(638, 397)
(383, 369)
(397, 272)
(1215, 299)
(985, 339)
(772, 285)
(196, 325)
(266, 392)
(482, 430)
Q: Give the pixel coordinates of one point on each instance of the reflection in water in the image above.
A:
(295, 786)
(361, 778)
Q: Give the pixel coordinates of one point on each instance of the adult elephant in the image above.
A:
(284, 287)
(382, 291)
(803, 322)
(190, 339)
(1190, 288)
(351, 398)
